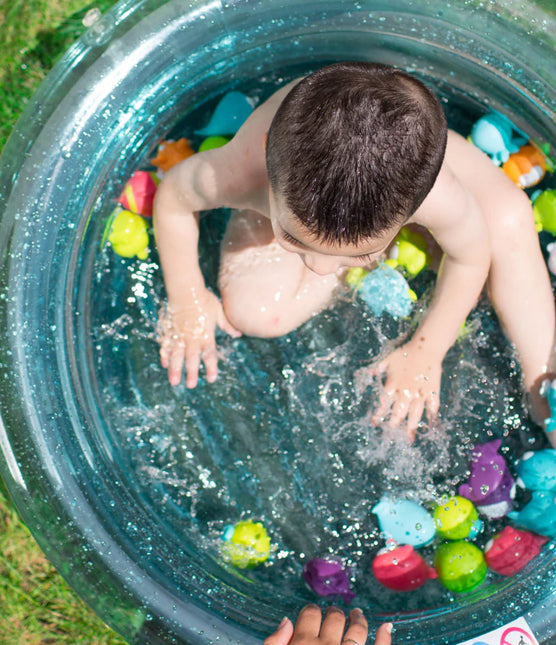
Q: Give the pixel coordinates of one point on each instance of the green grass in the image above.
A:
(36, 606)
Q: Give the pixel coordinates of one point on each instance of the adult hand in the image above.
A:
(311, 629)
(186, 335)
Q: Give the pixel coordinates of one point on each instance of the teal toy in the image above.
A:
(460, 566)
(128, 234)
(404, 521)
(495, 134)
(537, 470)
(539, 514)
(548, 390)
(245, 545)
(228, 117)
(457, 519)
(544, 210)
(385, 289)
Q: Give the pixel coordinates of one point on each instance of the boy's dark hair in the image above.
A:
(354, 149)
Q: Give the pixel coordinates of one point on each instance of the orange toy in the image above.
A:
(525, 167)
(171, 153)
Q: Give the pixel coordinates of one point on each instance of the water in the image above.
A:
(284, 435)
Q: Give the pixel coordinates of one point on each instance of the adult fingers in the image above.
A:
(383, 635)
(333, 625)
(282, 635)
(358, 629)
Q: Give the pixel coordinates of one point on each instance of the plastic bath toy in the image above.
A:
(171, 153)
(526, 167)
(246, 544)
(457, 519)
(138, 194)
(405, 522)
(548, 390)
(544, 209)
(539, 514)
(494, 134)
(490, 486)
(385, 289)
(551, 261)
(328, 578)
(128, 234)
(537, 470)
(229, 115)
(460, 566)
(410, 252)
(402, 569)
(210, 143)
(512, 549)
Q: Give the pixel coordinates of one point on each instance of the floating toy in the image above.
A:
(210, 143)
(229, 115)
(548, 390)
(128, 234)
(171, 153)
(401, 569)
(138, 194)
(385, 289)
(457, 519)
(490, 486)
(537, 470)
(539, 514)
(328, 578)
(494, 134)
(405, 521)
(551, 261)
(544, 209)
(508, 552)
(460, 566)
(526, 167)
(409, 252)
(246, 544)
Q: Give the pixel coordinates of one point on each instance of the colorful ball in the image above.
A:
(210, 143)
(460, 566)
(128, 234)
(246, 544)
(457, 519)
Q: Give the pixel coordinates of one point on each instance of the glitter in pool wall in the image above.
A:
(284, 436)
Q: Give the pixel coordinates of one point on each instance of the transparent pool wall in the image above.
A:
(115, 93)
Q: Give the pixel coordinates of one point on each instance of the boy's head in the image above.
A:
(354, 149)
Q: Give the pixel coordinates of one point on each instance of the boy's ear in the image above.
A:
(265, 139)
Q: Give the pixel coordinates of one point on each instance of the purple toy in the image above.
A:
(328, 578)
(490, 486)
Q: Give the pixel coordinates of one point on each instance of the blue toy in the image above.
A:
(405, 522)
(385, 289)
(494, 134)
(539, 515)
(229, 115)
(537, 470)
(548, 390)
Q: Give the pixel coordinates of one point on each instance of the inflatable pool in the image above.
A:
(125, 483)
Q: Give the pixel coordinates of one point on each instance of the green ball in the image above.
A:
(460, 566)
(213, 142)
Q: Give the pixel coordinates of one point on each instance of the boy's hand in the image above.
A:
(186, 335)
(412, 385)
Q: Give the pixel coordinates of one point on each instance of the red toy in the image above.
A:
(401, 569)
(138, 194)
(512, 549)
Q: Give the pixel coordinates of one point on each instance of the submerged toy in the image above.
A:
(539, 515)
(138, 194)
(404, 521)
(171, 153)
(210, 143)
(544, 209)
(490, 485)
(510, 551)
(230, 114)
(385, 289)
(551, 261)
(401, 569)
(457, 519)
(526, 167)
(537, 470)
(410, 252)
(460, 566)
(246, 544)
(128, 234)
(548, 390)
(328, 578)
(494, 134)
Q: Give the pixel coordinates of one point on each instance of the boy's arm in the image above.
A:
(187, 326)
(413, 371)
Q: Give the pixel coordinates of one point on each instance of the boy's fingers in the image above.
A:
(192, 362)
(308, 622)
(383, 635)
(384, 407)
(358, 629)
(226, 325)
(210, 359)
(175, 363)
(433, 405)
(282, 636)
(333, 625)
(414, 415)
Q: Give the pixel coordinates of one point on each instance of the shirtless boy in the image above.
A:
(322, 176)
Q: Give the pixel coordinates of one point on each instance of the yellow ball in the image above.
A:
(457, 519)
(247, 545)
(128, 234)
